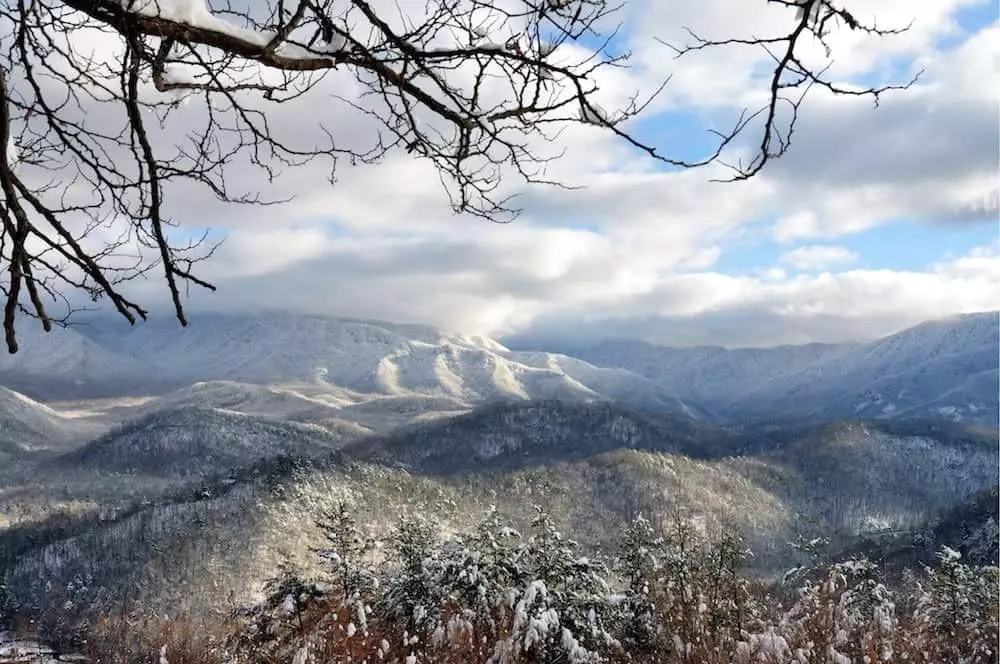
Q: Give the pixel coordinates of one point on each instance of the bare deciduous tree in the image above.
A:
(475, 86)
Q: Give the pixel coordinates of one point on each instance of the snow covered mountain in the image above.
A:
(190, 441)
(513, 435)
(383, 375)
(946, 368)
(593, 466)
(941, 369)
(66, 363)
(261, 400)
(335, 356)
(27, 426)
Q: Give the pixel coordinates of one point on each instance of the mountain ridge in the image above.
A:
(946, 369)
(197, 441)
(362, 357)
(27, 426)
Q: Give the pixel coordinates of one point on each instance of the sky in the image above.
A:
(877, 218)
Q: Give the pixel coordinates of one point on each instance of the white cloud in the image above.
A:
(561, 282)
(774, 308)
(252, 254)
(817, 257)
(982, 263)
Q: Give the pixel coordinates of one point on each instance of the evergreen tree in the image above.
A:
(639, 563)
(957, 614)
(344, 557)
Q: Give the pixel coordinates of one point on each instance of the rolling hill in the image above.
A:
(199, 441)
(514, 435)
(27, 426)
(237, 504)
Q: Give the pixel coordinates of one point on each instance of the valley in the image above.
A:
(226, 444)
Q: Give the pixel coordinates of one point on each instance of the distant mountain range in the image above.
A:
(107, 358)
(944, 369)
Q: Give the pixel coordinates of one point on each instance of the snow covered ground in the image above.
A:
(944, 369)
(295, 366)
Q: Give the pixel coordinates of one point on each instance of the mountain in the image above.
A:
(263, 348)
(28, 426)
(969, 527)
(249, 428)
(855, 476)
(513, 435)
(972, 528)
(274, 402)
(714, 376)
(383, 375)
(220, 505)
(198, 441)
(322, 404)
(870, 476)
(67, 364)
(945, 369)
(337, 355)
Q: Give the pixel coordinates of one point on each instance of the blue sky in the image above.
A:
(897, 245)
(971, 18)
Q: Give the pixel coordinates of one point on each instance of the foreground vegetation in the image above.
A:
(498, 596)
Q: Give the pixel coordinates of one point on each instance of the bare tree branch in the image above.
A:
(477, 87)
(791, 79)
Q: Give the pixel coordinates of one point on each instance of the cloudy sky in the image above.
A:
(877, 218)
